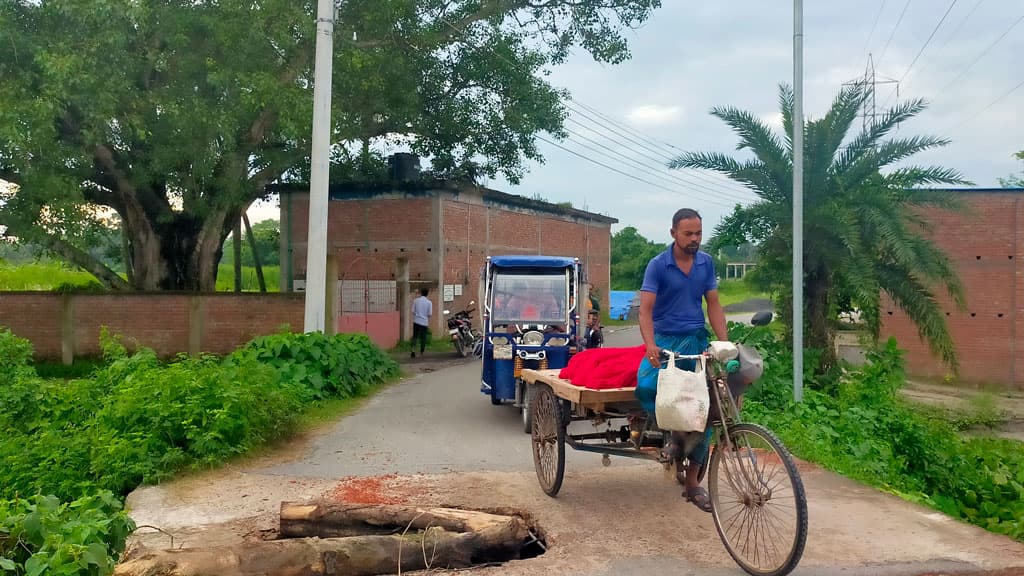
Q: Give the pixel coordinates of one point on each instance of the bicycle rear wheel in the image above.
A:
(760, 507)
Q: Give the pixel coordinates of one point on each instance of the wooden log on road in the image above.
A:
(352, 556)
(330, 520)
(352, 539)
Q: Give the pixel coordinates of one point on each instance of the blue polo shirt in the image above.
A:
(679, 308)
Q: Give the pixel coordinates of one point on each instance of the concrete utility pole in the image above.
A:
(316, 240)
(798, 200)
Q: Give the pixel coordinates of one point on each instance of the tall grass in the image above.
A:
(42, 276)
(735, 291)
(226, 278)
(47, 276)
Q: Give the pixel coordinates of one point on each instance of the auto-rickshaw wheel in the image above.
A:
(527, 418)
(548, 438)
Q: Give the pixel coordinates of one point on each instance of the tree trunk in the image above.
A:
(255, 252)
(820, 321)
(328, 520)
(236, 247)
(148, 266)
(401, 538)
(355, 556)
(178, 251)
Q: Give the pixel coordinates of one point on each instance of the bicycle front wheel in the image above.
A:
(760, 508)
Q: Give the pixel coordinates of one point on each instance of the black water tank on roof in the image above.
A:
(404, 166)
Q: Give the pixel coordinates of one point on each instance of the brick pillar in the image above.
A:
(332, 296)
(67, 329)
(403, 300)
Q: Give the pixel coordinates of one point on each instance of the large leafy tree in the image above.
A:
(630, 254)
(175, 115)
(863, 230)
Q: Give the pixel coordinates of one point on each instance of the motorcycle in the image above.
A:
(460, 328)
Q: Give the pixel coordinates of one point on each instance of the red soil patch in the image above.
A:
(385, 489)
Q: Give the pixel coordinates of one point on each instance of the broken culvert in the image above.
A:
(324, 538)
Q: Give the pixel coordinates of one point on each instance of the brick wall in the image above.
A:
(445, 236)
(986, 244)
(168, 323)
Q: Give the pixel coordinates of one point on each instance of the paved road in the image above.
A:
(437, 423)
(434, 424)
(435, 440)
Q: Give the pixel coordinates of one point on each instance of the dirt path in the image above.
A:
(1008, 405)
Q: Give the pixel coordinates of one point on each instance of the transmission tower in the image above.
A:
(871, 81)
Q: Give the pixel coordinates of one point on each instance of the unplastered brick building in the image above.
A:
(985, 241)
(387, 240)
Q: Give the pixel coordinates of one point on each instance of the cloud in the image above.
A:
(654, 115)
(773, 120)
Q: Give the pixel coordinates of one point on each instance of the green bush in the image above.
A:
(45, 536)
(344, 365)
(139, 420)
(861, 428)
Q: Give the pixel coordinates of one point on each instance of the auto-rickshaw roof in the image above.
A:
(532, 261)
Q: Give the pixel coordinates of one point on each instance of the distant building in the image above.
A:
(390, 239)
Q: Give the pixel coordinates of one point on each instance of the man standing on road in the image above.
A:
(422, 308)
(672, 318)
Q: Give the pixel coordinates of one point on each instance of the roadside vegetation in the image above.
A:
(857, 424)
(54, 276)
(75, 444)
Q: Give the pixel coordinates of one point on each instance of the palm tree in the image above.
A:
(863, 230)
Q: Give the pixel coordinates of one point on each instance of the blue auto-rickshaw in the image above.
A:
(531, 315)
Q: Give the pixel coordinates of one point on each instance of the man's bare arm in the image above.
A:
(716, 315)
(647, 300)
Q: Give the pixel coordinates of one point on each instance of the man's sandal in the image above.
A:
(700, 498)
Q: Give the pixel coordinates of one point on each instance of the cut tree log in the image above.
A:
(352, 556)
(329, 520)
(353, 539)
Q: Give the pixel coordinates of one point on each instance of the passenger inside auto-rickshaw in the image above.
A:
(530, 300)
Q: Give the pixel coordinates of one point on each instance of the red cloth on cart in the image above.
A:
(603, 368)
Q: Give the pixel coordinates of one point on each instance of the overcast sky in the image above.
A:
(691, 56)
(694, 55)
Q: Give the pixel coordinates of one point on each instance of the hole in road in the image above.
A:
(447, 537)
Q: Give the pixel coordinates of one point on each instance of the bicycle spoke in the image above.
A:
(759, 505)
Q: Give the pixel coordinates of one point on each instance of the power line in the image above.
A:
(893, 33)
(714, 187)
(963, 21)
(644, 143)
(568, 103)
(989, 105)
(960, 24)
(664, 148)
(670, 176)
(923, 47)
(613, 169)
(928, 41)
(874, 26)
(982, 54)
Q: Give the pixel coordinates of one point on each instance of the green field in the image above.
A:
(42, 276)
(48, 276)
(734, 291)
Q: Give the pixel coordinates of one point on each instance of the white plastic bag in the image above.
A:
(682, 401)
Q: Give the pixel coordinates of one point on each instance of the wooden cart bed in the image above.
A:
(586, 397)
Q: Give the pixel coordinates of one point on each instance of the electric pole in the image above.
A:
(316, 240)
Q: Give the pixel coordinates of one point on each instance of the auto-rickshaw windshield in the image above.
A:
(529, 298)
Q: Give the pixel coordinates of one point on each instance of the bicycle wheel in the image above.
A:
(548, 437)
(760, 508)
